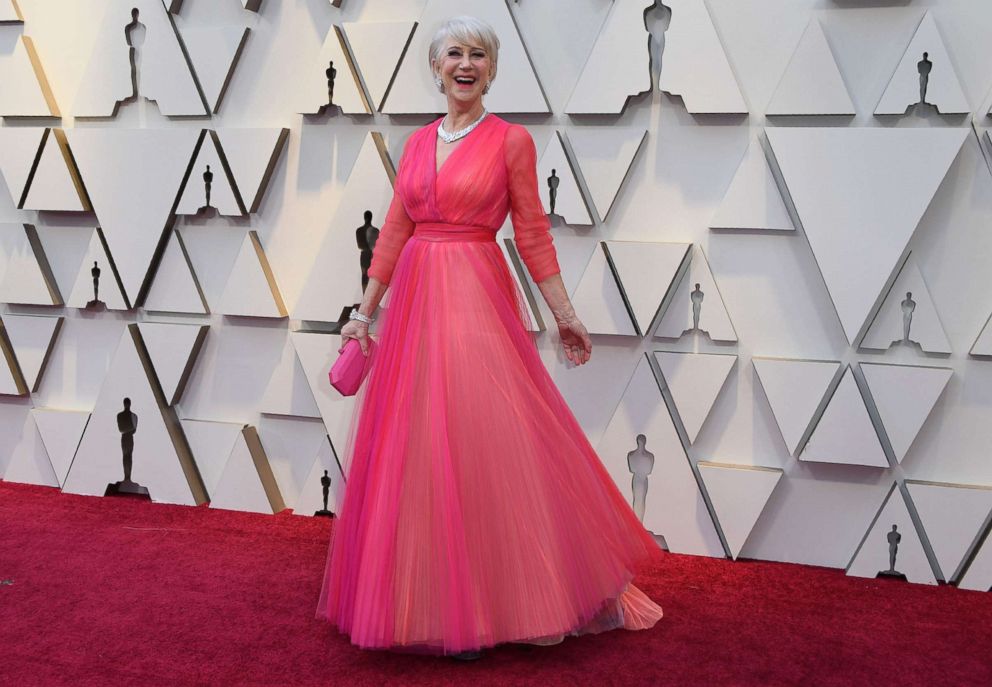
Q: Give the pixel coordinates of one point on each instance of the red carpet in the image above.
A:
(109, 591)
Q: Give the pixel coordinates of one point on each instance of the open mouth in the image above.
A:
(464, 80)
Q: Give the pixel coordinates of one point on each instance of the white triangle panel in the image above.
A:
(943, 88)
(19, 148)
(618, 65)
(952, 516)
(694, 380)
(211, 444)
(738, 494)
(252, 155)
(55, 184)
(794, 390)
(668, 500)
(697, 291)
(647, 273)
(845, 433)
(753, 200)
(251, 290)
(291, 445)
(173, 349)
(554, 164)
(597, 296)
(908, 315)
(876, 551)
(106, 290)
(25, 91)
(605, 156)
(29, 462)
(132, 178)
(242, 483)
(348, 92)
(904, 396)
(175, 287)
(214, 52)
(222, 194)
(695, 65)
(32, 339)
(163, 72)
(311, 497)
(25, 275)
(516, 88)
(61, 431)
(857, 218)
(377, 47)
(812, 83)
(160, 459)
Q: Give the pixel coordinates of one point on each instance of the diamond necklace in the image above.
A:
(461, 133)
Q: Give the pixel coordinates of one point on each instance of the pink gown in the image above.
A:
(475, 511)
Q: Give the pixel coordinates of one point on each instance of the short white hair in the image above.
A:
(468, 30)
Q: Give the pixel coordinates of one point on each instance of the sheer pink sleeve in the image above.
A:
(531, 226)
(393, 234)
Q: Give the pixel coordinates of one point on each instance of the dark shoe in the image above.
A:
(467, 655)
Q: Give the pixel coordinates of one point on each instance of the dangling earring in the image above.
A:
(486, 89)
(438, 83)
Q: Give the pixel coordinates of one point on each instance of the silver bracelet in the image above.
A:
(355, 315)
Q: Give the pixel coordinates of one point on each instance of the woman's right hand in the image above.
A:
(354, 329)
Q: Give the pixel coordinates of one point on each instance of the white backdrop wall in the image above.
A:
(770, 282)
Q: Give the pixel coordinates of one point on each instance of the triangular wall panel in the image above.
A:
(20, 148)
(953, 516)
(32, 340)
(173, 349)
(164, 74)
(667, 500)
(377, 47)
(618, 66)
(597, 296)
(907, 315)
(214, 52)
(739, 494)
(695, 381)
(55, 184)
(90, 286)
(857, 219)
(61, 431)
(697, 305)
(695, 65)
(252, 155)
(647, 273)
(605, 155)
(554, 170)
(794, 390)
(133, 177)
(943, 88)
(845, 433)
(882, 543)
(904, 396)
(753, 201)
(175, 287)
(25, 91)
(251, 289)
(812, 83)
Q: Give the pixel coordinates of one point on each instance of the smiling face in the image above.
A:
(464, 68)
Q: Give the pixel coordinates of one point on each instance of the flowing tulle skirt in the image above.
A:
(475, 512)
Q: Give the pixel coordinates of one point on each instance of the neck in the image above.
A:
(461, 114)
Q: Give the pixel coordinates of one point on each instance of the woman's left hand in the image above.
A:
(575, 340)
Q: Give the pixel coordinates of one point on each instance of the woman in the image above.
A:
(476, 512)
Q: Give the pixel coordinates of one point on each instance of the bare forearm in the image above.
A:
(553, 290)
(374, 292)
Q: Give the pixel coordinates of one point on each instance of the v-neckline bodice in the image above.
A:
(464, 142)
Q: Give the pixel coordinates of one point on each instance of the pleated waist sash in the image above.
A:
(442, 231)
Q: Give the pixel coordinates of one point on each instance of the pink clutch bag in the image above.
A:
(349, 370)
